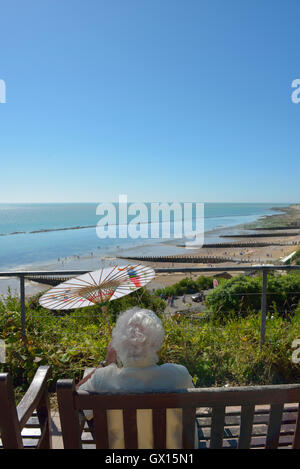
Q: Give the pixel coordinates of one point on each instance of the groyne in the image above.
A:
(260, 235)
(189, 259)
(241, 244)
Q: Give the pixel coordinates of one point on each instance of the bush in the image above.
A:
(218, 354)
(241, 295)
(295, 260)
(186, 286)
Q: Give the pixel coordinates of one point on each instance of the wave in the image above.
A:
(80, 227)
(47, 230)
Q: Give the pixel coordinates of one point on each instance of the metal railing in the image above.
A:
(62, 274)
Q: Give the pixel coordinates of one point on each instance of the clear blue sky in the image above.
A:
(163, 100)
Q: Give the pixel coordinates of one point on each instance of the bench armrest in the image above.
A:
(36, 393)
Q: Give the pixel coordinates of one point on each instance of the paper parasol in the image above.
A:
(97, 287)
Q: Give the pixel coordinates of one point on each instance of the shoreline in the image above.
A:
(269, 252)
(80, 227)
(289, 219)
(281, 246)
(163, 246)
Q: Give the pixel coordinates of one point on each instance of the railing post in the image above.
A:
(22, 301)
(263, 306)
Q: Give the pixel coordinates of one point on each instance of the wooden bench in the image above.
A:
(27, 425)
(239, 417)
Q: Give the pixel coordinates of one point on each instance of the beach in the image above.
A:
(273, 253)
(277, 247)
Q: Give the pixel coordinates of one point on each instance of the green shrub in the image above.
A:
(241, 295)
(295, 259)
(218, 354)
(186, 286)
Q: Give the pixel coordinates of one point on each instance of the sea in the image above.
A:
(41, 234)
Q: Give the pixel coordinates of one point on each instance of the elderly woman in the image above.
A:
(131, 366)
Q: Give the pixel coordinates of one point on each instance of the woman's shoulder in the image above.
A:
(100, 374)
(175, 369)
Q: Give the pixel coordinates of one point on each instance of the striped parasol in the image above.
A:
(97, 287)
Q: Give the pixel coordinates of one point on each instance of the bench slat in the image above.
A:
(188, 428)
(288, 409)
(258, 420)
(130, 428)
(101, 429)
(217, 427)
(296, 441)
(159, 428)
(247, 416)
(274, 426)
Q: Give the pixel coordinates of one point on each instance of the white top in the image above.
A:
(152, 378)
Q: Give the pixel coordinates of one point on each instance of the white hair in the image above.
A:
(137, 336)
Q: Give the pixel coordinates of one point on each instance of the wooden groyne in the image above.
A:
(250, 244)
(259, 235)
(188, 259)
(289, 227)
(47, 279)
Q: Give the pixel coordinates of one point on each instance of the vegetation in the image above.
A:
(69, 342)
(217, 351)
(186, 286)
(241, 295)
(290, 218)
(295, 259)
(218, 354)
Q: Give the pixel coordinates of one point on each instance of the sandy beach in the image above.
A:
(278, 248)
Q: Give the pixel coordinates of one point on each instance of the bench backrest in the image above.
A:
(70, 402)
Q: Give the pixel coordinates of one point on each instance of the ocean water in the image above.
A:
(36, 233)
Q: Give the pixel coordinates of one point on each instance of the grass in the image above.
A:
(229, 353)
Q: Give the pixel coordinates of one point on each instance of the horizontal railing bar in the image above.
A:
(45, 273)
(159, 270)
(227, 268)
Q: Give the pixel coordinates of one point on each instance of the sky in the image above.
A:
(162, 100)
